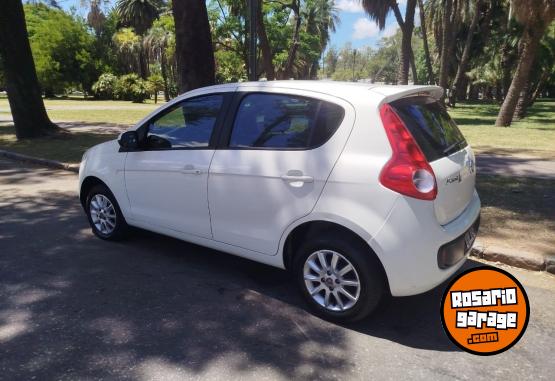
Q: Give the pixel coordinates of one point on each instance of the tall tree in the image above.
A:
(24, 94)
(466, 54)
(378, 11)
(193, 43)
(157, 41)
(139, 14)
(447, 38)
(429, 69)
(265, 48)
(287, 71)
(535, 16)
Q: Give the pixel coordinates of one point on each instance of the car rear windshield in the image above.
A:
(430, 125)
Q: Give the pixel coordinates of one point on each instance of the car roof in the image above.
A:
(346, 90)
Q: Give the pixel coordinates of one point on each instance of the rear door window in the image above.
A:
(431, 126)
(279, 121)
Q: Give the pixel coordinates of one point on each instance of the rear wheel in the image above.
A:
(104, 214)
(339, 280)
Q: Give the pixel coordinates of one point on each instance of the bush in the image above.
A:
(130, 87)
(105, 87)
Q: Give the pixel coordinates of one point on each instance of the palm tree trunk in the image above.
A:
(529, 46)
(446, 43)
(24, 94)
(466, 55)
(143, 65)
(538, 89)
(413, 67)
(406, 26)
(193, 45)
(520, 108)
(429, 69)
(164, 71)
(267, 61)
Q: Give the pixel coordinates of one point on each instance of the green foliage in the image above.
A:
(155, 83)
(130, 87)
(229, 67)
(138, 14)
(105, 87)
(62, 48)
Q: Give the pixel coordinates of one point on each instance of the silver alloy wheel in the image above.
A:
(331, 280)
(103, 214)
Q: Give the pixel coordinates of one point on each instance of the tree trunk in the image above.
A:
(538, 89)
(143, 64)
(265, 49)
(413, 67)
(446, 43)
(193, 45)
(466, 55)
(406, 26)
(427, 57)
(288, 69)
(462, 88)
(529, 46)
(520, 108)
(164, 71)
(24, 94)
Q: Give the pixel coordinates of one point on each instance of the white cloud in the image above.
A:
(390, 30)
(351, 6)
(364, 28)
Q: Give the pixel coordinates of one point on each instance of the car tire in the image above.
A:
(366, 271)
(104, 214)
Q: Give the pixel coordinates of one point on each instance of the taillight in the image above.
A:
(407, 172)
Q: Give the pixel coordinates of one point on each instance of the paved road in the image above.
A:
(75, 307)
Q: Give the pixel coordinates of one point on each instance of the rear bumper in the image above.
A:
(409, 243)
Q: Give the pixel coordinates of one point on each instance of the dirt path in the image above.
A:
(516, 165)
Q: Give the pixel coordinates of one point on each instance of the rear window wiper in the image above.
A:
(454, 145)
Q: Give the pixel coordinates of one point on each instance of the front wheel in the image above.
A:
(340, 281)
(104, 214)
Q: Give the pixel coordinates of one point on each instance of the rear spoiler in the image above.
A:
(392, 93)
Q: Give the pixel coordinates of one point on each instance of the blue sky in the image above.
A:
(355, 26)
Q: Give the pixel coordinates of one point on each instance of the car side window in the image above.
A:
(189, 124)
(282, 121)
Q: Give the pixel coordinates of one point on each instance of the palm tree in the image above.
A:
(427, 57)
(139, 14)
(128, 45)
(541, 72)
(24, 94)
(466, 53)
(157, 41)
(193, 45)
(95, 16)
(321, 17)
(535, 16)
(378, 11)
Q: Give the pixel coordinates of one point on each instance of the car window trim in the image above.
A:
(225, 136)
(214, 136)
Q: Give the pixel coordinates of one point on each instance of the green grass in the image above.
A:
(91, 111)
(67, 148)
(534, 135)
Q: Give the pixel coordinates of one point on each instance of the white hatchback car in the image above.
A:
(361, 190)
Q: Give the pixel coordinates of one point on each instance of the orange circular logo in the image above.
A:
(485, 311)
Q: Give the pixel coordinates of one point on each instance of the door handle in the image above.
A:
(295, 178)
(191, 170)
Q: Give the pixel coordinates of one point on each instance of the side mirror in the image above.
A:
(129, 141)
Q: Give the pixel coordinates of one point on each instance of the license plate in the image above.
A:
(469, 238)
